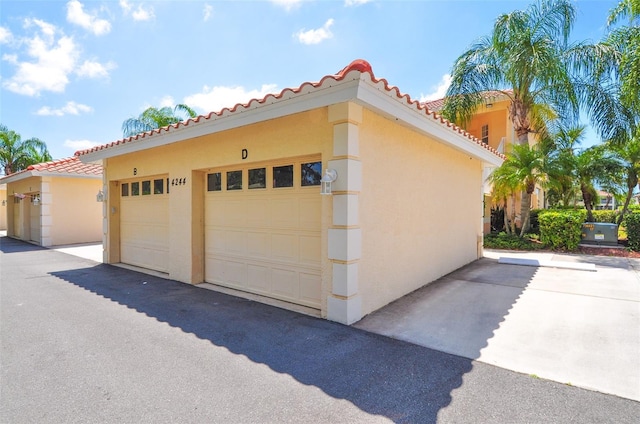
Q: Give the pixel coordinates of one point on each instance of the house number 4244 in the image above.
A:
(178, 181)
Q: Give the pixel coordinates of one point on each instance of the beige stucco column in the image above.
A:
(46, 217)
(344, 303)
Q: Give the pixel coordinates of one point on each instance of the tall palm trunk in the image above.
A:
(588, 201)
(519, 116)
(525, 209)
(632, 181)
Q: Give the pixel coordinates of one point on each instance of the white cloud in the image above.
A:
(71, 108)
(214, 99)
(5, 35)
(349, 3)
(167, 101)
(315, 36)
(52, 61)
(439, 91)
(81, 144)
(287, 4)
(77, 15)
(207, 12)
(92, 69)
(141, 13)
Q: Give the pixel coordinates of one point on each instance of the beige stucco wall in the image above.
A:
(420, 211)
(76, 215)
(4, 205)
(302, 134)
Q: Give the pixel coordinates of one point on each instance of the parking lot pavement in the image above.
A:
(87, 342)
(572, 326)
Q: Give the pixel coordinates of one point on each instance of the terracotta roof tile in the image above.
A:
(438, 104)
(358, 65)
(65, 166)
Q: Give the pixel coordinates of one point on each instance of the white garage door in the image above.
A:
(144, 223)
(262, 229)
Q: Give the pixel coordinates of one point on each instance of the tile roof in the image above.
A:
(66, 166)
(358, 65)
(438, 104)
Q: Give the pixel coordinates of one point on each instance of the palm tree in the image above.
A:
(526, 59)
(559, 149)
(505, 186)
(612, 67)
(592, 166)
(154, 118)
(628, 157)
(17, 154)
(523, 169)
(627, 39)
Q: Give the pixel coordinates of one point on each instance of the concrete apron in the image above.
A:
(573, 325)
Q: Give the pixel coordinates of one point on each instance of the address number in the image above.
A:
(178, 181)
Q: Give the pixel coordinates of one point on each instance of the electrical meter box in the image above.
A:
(599, 233)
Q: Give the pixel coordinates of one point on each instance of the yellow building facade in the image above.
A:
(233, 199)
(54, 203)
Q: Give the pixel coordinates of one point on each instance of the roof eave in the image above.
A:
(328, 93)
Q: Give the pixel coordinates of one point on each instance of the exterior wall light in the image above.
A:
(100, 197)
(35, 199)
(329, 176)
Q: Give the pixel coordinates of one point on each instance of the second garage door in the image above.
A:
(262, 229)
(144, 223)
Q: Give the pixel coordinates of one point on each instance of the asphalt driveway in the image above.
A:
(568, 325)
(86, 342)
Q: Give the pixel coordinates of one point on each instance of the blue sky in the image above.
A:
(72, 71)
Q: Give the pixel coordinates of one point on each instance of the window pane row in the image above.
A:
(310, 175)
(143, 188)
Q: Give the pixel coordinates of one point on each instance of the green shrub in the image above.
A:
(632, 225)
(561, 229)
(510, 242)
(606, 216)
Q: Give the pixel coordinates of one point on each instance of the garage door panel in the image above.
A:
(257, 213)
(214, 271)
(235, 272)
(310, 285)
(284, 247)
(234, 213)
(235, 242)
(284, 213)
(145, 257)
(285, 283)
(259, 279)
(309, 250)
(258, 244)
(310, 213)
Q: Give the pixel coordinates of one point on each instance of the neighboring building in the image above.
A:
(234, 198)
(54, 203)
(492, 126)
(606, 201)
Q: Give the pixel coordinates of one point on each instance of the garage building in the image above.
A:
(233, 199)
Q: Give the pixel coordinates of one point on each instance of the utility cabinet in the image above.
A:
(599, 233)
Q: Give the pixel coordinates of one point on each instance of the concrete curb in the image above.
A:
(552, 264)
